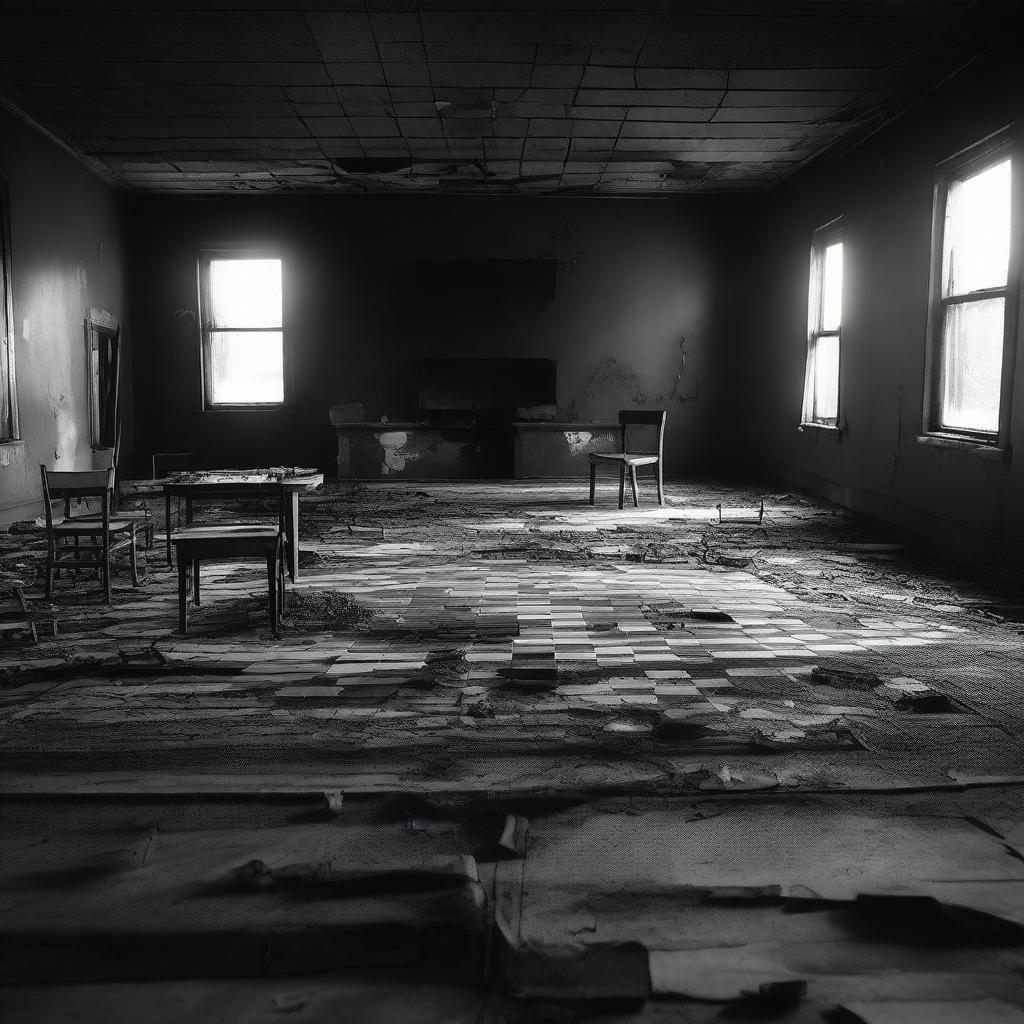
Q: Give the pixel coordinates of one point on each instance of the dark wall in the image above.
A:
(630, 318)
(66, 244)
(884, 191)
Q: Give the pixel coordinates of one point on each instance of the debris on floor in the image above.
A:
(514, 757)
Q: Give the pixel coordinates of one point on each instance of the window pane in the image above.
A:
(826, 380)
(972, 364)
(832, 288)
(245, 293)
(976, 237)
(246, 367)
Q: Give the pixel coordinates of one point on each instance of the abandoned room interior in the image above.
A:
(508, 511)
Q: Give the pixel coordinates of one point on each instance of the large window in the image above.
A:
(824, 324)
(8, 395)
(973, 308)
(242, 328)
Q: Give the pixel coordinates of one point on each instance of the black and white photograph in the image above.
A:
(508, 512)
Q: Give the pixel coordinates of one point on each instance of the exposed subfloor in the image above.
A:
(729, 757)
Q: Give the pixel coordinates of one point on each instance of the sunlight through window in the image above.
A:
(824, 321)
(975, 261)
(243, 336)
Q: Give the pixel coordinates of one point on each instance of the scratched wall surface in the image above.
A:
(884, 193)
(632, 314)
(67, 256)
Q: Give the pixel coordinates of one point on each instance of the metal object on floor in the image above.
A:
(757, 518)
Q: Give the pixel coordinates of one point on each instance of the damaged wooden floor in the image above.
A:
(745, 768)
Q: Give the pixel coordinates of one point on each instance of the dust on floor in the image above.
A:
(809, 732)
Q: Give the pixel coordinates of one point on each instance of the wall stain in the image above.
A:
(611, 377)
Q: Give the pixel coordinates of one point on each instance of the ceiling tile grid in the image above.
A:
(447, 95)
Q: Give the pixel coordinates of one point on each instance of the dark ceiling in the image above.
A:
(448, 95)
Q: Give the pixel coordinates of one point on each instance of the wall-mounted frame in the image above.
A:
(103, 351)
(8, 389)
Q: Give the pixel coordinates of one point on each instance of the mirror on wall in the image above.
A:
(103, 345)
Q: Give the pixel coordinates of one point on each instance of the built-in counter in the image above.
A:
(427, 451)
(547, 449)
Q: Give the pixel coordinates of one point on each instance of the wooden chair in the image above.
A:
(626, 459)
(94, 538)
(142, 517)
(196, 544)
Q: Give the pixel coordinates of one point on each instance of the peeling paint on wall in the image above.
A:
(612, 377)
(65, 427)
(579, 440)
(395, 458)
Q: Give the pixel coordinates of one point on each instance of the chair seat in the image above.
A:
(136, 515)
(623, 457)
(86, 527)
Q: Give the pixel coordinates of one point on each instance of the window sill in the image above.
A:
(268, 407)
(964, 444)
(824, 427)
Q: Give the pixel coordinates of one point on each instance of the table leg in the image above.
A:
(188, 509)
(167, 524)
(272, 591)
(292, 535)
(182, 593)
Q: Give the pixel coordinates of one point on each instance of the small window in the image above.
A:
(824, 324)
(8, 394)
(973, 295)
(242, 317)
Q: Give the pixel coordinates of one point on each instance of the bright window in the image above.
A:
(970, 321)
(824, 324)
(243, 329)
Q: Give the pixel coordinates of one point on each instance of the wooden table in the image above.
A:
(237, 485)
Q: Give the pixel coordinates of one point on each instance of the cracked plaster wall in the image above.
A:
(66, 257)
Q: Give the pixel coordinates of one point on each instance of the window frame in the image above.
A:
(972, 160)
(253, 252)
(823, 237)
(9, 431)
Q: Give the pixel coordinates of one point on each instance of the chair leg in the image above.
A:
(182, 593)
(106, 568)
(167, 526)
(661, 484)
(195, 582)
(272, 590)
(622, 486)
(50, 558)
(134, 555)
(280, 584)
(593, 481)
(632, 483)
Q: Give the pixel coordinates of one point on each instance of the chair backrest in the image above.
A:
(644, 417)
(170, 462)
(65, 484)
